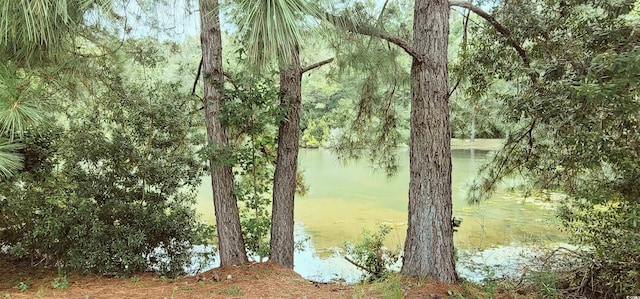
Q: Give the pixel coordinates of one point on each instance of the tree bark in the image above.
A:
(284, 182)
(230, 241)
(428, 249)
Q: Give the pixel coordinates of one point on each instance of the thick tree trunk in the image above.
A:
(230, 240)
(428, 249)
(284, 183)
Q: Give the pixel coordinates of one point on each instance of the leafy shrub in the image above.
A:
(112, 191)
(609, 265)
(371, 255)
(251, 114)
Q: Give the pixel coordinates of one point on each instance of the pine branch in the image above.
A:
(316, 65)
(501, 29)
(364, 29)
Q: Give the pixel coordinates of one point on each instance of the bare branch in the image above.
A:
(501, 29)
(316, 65)
(199, 72)
(195, 82)
(455, 86)
(357, 265)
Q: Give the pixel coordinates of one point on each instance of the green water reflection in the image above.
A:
(344, 199)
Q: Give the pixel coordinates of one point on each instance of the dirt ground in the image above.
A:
(263, 280)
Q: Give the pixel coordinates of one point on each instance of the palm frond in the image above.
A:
(10, 160)
(273, 27)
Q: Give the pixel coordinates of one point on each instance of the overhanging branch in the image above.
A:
(354, 27)
(316, 65)
(501, 29)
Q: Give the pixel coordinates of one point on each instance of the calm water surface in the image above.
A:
(344, 199)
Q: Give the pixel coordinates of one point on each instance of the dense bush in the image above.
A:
(251, 115)
(609, 264)
(575, 127)
(109, 191)
(371, 255)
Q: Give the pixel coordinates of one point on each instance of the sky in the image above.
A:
(175, 21)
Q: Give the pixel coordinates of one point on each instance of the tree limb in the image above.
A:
(454, 87)
(195, 82)
(199, 72)
(354, 27)
(357, 265)
(465, 25)
(316, 65)
(501, 29)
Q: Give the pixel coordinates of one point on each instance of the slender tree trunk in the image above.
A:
(284, 183)
(230, 240)
(428, 248)
(473, 125)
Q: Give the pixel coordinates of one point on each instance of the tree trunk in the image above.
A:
(284, 182)
(473, 125)
(230, 241)
(428, 249)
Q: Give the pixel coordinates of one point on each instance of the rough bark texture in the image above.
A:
(230, 240)
(284, 183)
(428, 249)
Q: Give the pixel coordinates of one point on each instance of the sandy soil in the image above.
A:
(263, 280)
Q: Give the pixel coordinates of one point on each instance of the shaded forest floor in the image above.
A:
(264, 280)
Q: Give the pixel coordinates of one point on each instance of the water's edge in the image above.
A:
(508, 261)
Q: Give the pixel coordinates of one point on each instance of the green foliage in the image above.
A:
(457, 222)
(43, 43)
(111, 190)
(546, 282)
(20, 95)
(394, 291)
(476, 100)
(609, 265)
(22, 286)
(327, 108)
(379, 72)
(371, 255)
(20, 102)
(251, 113)
(35, 33)
(272, 29)
(575, 114)
(61, 282)
(10, 160)
(233, 291)
(316, 134)
(489, 283)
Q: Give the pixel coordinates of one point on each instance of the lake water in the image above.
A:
(344, 199)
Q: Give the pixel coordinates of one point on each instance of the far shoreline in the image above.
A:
(479, 144)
